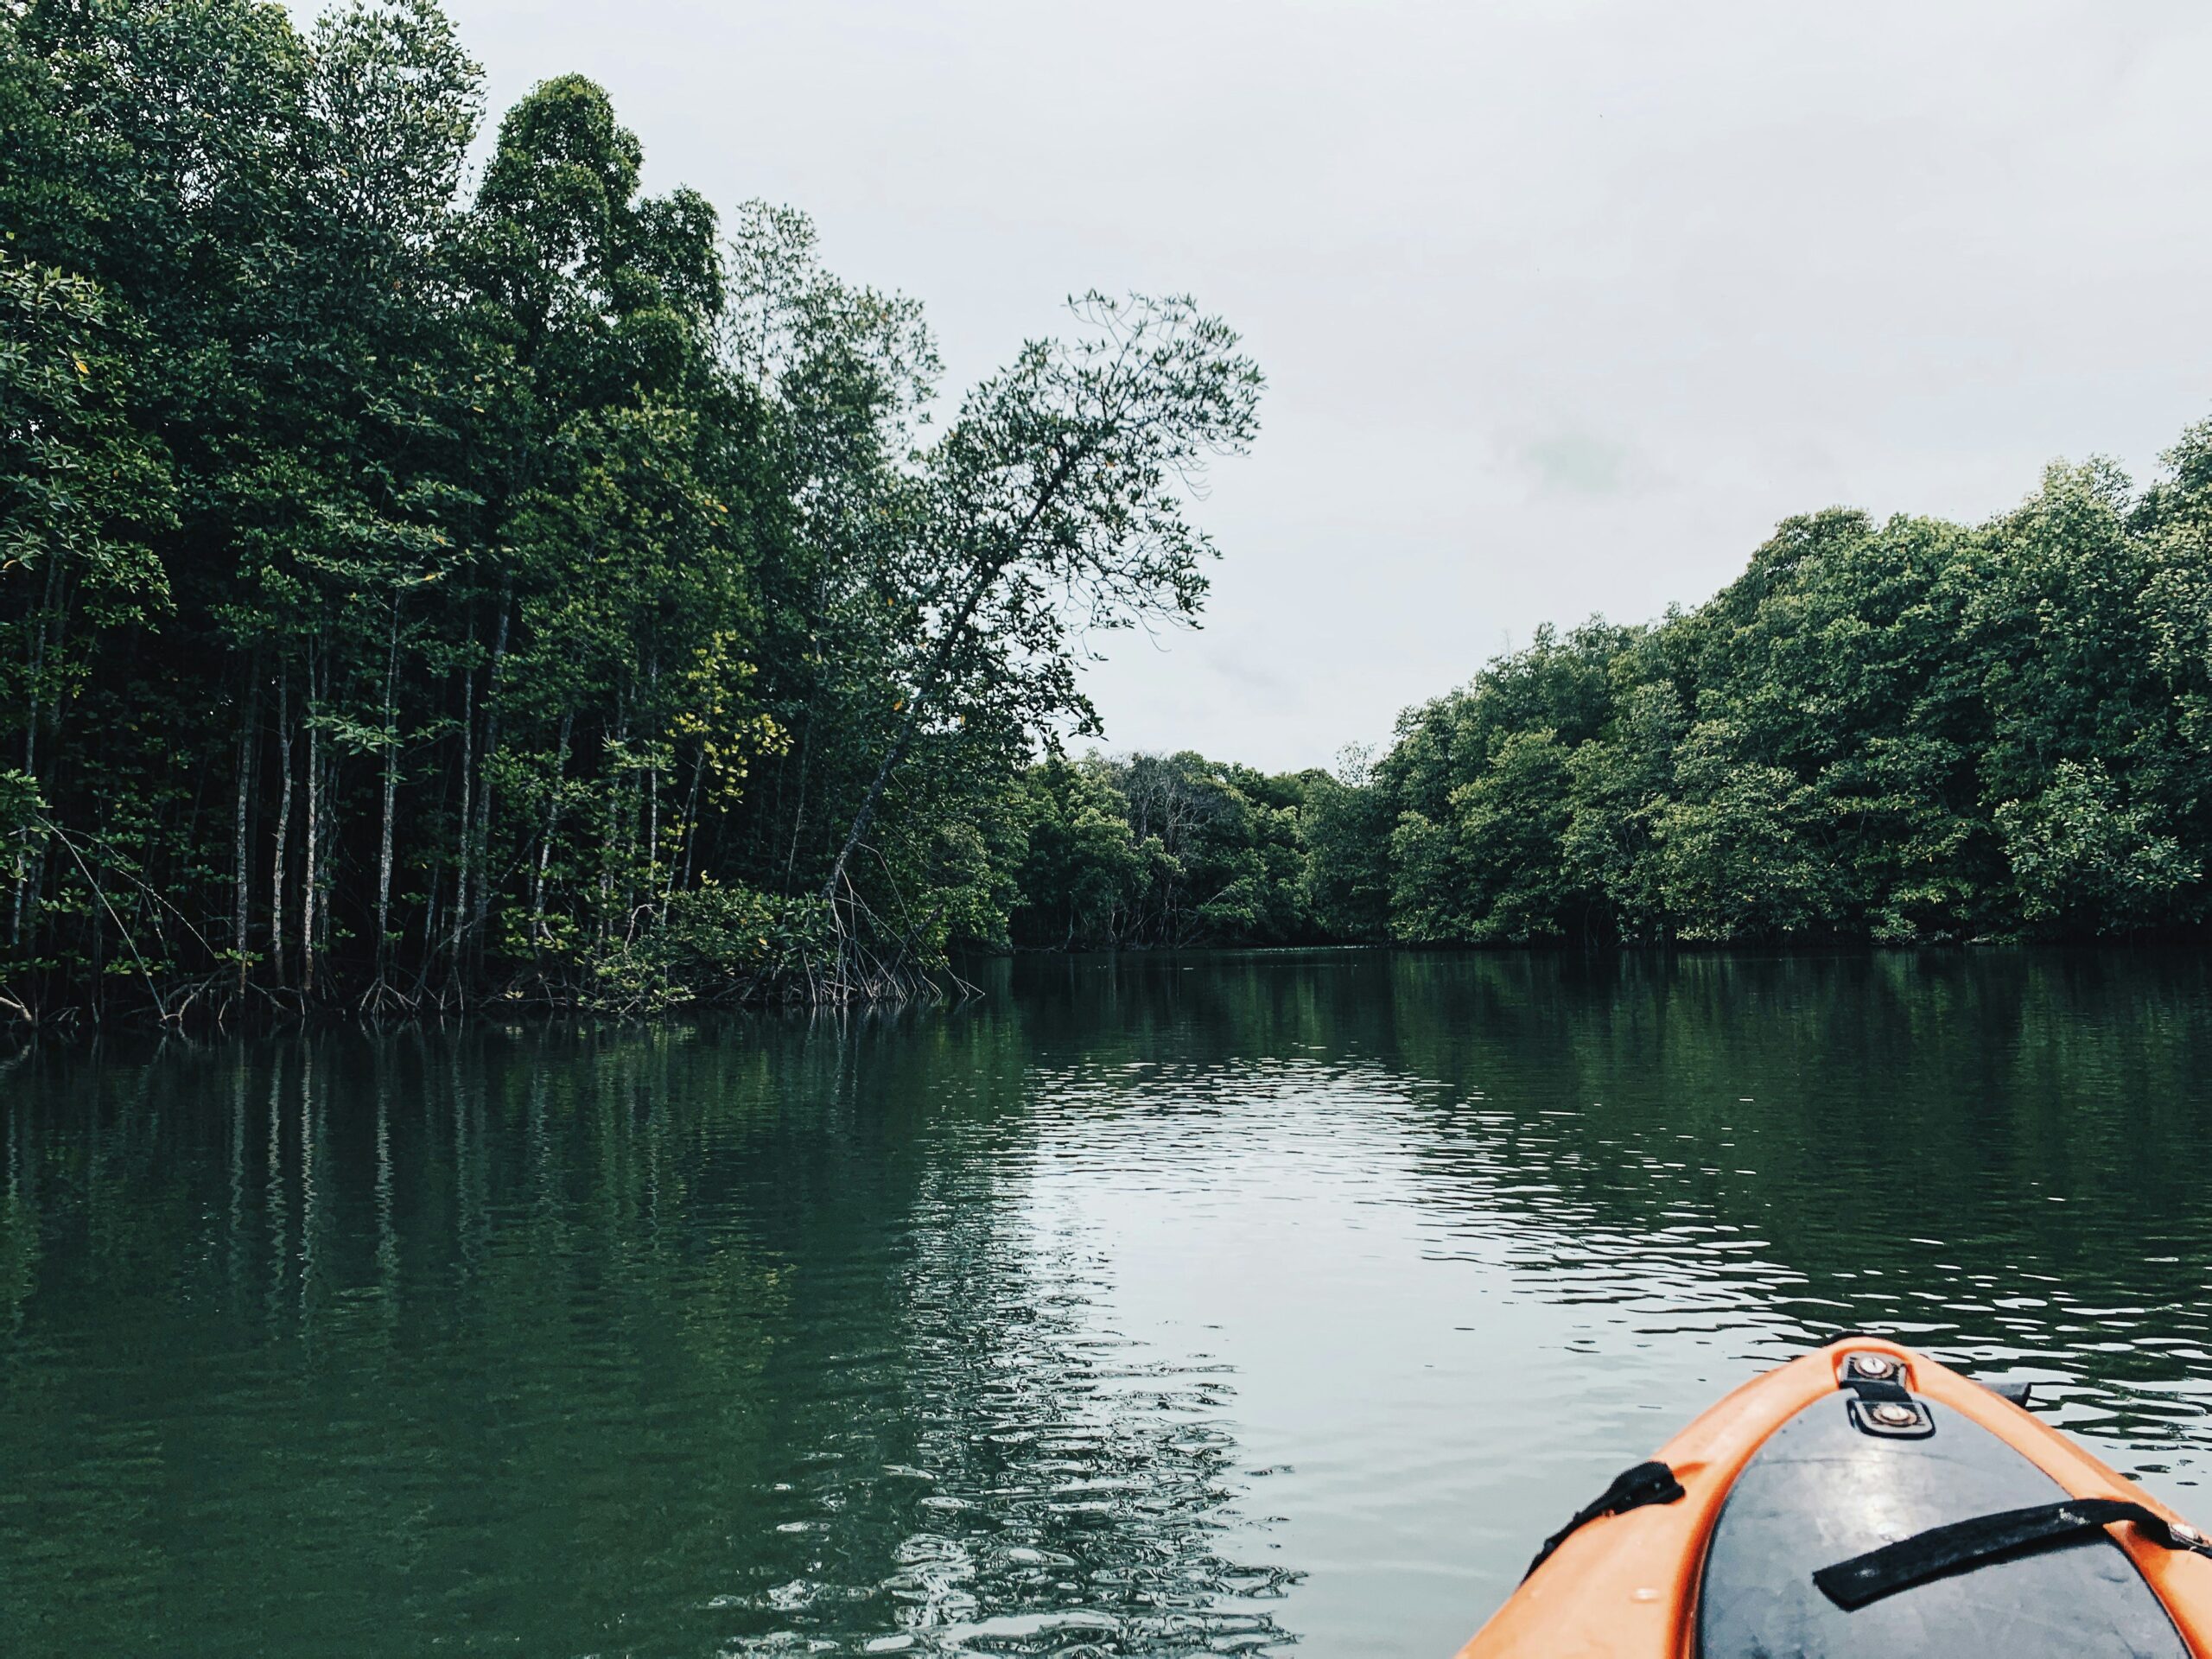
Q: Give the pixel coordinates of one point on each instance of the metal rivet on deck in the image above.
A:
(1874, 1365)
(2185, 1534)
(1889, 1414)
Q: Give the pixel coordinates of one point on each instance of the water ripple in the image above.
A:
(1149, 1308)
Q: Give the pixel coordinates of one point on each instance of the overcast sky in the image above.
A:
(1561, 305)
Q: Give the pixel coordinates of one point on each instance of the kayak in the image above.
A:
(1864, 1500)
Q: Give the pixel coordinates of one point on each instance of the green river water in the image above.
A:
(1158, 1306)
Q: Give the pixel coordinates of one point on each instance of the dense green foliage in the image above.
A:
(1910, 731)
(416, 595)
(1165, 850)
(1900, 731)
(411, 594)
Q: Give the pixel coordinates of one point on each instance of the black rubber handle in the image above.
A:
(1964, 1545)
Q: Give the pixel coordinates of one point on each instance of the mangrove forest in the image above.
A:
(436, 574)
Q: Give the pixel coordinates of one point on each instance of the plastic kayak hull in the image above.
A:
(1807, 1465)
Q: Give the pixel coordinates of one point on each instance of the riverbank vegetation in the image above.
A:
(421, 583)
(1899, 732)
(424, 583)
(1908, 731)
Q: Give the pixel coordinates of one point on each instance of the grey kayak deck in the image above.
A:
(1821, 1491)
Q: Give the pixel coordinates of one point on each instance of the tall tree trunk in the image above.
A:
(391, 791)
(283, 827)
(241, 913)
(430, 918)
(308, 894)
(37, 652)
(613, 832)
(468, 797)
(483, 859)
(552, 823)
(23, 836)
(799, 812)
(653, 788)
(690, 829)
(432, 892)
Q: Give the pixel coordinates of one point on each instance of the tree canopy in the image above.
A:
(554, 593)
(549, 592)
(1902, 732)
(1908, 732)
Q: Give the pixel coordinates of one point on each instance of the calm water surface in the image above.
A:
(1162, 1307)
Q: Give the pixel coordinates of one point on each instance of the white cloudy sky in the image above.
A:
(1563, 303)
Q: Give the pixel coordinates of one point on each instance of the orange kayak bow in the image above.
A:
(1864, 1500)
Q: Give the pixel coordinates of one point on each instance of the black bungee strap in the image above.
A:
(1964, 1545)
(1648, 1483)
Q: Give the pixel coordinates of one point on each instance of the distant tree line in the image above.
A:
(416, 590)
(1912, 731)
